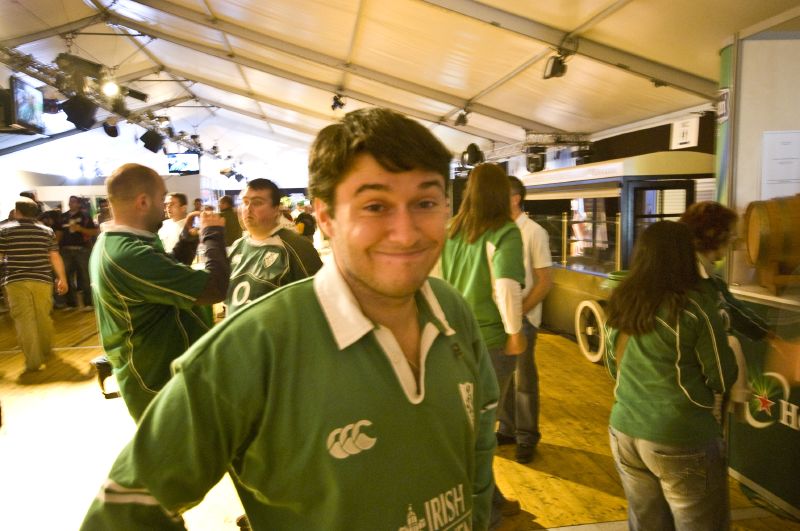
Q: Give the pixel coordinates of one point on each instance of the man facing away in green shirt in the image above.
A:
(362, 398)
(147, 300)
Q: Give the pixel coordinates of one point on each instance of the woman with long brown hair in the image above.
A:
(482, 258)
(667, 350)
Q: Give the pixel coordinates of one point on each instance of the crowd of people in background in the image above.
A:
(347, 363)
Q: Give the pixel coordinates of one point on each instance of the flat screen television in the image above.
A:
(27, 107)
(183, 163)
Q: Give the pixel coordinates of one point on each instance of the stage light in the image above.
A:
(74, 65)
(135, 94)
(110, 127)
(338, 102)
(80, 110)
(472, 156)
(535, 158)
(461, 119)
(555, 67)
(152, 140)
(110, 89)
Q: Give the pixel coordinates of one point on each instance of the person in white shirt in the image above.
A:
(172, 226)
(518, 412)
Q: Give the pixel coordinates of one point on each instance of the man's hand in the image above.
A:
(61, 286)
(516, 344)
(210, 219)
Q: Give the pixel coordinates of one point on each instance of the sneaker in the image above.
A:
(40, 368)
(503, 439)
(502, 507)
(524, 453)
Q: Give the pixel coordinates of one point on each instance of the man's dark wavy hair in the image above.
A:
(710, 223)
(397, 143)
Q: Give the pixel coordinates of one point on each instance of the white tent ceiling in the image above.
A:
(245, 72)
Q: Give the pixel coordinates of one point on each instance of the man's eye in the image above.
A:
(374, 208)
(428, 204)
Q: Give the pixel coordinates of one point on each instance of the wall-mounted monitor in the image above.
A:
(27, 107)
(183, 163)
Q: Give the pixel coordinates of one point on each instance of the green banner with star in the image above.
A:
(764, 435)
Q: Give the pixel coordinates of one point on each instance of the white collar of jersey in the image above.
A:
(110, 227)
(347, 321)
(266, 241)
(520, 218)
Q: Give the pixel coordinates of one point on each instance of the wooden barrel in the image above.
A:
(772, 229)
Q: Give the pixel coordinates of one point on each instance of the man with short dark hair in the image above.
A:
(269, 256)
(74, 234)
(172, 226)
(519, 406)
(29, 255)
(147, 300)
(233, 230)
(362, 398)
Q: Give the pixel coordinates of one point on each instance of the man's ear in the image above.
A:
(324, 217)
(142, 201)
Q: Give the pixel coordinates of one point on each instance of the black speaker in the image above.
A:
(80, 110)
(152, 140)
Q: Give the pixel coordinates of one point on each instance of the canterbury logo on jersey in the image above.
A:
(350, 440)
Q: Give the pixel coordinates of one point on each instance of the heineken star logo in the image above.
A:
(765, 404)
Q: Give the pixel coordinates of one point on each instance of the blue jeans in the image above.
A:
(518, 409)
(680, 488)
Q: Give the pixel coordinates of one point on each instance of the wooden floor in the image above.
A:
(59, 437)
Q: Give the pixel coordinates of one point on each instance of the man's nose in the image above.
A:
(404, 227)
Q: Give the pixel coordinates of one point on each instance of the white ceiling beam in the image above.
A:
(339, 64)
(154, 59)
(679, 79)
(136, 76)
(162, 105)
(246, 93)
(328, 87)
(69, 27)
(278, 137)
(262, 118)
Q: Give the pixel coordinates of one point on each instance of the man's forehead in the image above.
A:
(250, 193)
(432, 181)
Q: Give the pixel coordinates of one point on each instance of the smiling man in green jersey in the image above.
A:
(362, 398)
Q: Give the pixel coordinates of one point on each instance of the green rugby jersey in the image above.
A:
(258, 267)
(145, 310)
(473, 267)
(319, 420)
(668, 377)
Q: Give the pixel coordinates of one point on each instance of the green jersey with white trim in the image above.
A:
(261, 266)
(665, 388)
(319, 420)
(473, 267)
(145, 310)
